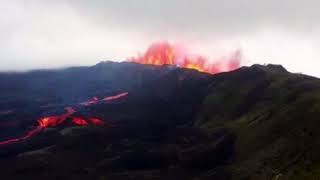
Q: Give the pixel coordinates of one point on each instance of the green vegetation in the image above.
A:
(275, 117)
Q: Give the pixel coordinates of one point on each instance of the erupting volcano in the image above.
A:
(164, 53)
(53, 121)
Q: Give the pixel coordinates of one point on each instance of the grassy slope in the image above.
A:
(275, 116)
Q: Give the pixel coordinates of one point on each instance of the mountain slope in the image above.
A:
(257, 122)
(275, 116)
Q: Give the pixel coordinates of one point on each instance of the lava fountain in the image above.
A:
(164, 53)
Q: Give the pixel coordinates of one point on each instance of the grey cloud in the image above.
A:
(55, 33)
(210, 15)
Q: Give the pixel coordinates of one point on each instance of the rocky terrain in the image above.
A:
(258, 122)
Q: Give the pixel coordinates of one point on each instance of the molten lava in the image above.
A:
(118, 96)
(96, 100)
(96, 121)
(90, 102)
(164, 53)
(53, 121)
(79, 121)
(28, 135)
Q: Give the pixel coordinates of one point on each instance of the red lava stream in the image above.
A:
(53, 121)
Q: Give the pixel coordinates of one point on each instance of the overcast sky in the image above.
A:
(57, 33)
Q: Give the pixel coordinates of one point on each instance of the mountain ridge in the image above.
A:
(257, 122)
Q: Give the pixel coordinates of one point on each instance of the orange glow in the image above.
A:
(164, 53)
(49, 121)
(52, 121)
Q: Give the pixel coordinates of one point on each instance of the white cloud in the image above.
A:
(48, 33)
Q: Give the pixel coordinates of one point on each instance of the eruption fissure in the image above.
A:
(164, 53)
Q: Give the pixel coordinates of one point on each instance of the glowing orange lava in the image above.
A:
(53, 121)
(79, 121)
(164, 53)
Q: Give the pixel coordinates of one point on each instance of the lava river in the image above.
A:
(54, 121)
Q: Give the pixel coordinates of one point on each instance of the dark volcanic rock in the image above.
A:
(258, 122)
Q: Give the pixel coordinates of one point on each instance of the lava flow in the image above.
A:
(90, 102)
(96, 100)
(53, 121)
(79, 121)
(164, 53)
(83, 122)
(96, 121)
(118, 96)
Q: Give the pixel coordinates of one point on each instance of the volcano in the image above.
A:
(159, 119)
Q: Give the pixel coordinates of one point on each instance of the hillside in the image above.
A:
(257, 122)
